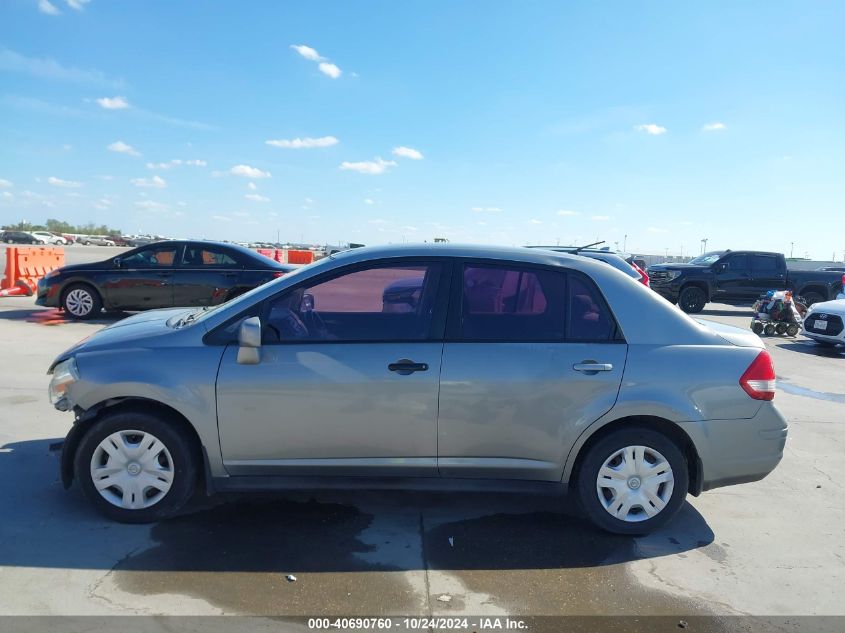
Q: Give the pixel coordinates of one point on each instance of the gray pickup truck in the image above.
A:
(739, 276)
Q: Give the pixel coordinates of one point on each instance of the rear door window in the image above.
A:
(589, 316)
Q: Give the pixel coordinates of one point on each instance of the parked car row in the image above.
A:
(59, 239)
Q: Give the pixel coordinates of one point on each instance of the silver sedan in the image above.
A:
(437, 366)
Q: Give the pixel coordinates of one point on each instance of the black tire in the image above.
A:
(598, 453)
(176, 440)
(70, 307)
(757, 327)
(811, 297)
(792, 329)
(780, 328)
(692, 300)
(769, 329)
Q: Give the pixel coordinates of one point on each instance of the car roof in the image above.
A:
(448, 249)
(233, 247)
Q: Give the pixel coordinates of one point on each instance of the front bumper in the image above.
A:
(667, 292)
(47, 294)
(739, 451)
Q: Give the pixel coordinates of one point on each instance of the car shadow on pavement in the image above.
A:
(729, 313)
(54, 316)
(336, 531)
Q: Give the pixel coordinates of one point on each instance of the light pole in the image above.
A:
(625, 244)
(791, 248)
(703, 245)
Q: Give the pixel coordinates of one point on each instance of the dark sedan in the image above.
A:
(18, 237)
(160, 275)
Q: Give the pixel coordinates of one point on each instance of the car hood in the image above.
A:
(837, 306)
(733, 335)
(686, 267)
(74, 268)
(138, 330)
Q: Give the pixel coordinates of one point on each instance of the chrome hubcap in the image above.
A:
(635, 483)
(79, 302)
(132, 469)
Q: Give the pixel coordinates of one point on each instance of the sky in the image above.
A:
(650, 125)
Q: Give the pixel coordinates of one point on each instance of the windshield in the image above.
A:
(708, 258)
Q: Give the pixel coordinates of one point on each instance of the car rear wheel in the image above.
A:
(136, 467)
(81, 301)
(632, 481)
(692, 300)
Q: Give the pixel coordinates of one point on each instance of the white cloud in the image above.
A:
(410, 228)
(78, 5)
(48, 8)
(487, 209)
(122, 148)
(6, 184)
(252, 186)
(249, 172)
(255, 197)
(369, 201)
(51, 69)
(600, 218)
(304, 143)
(113, 103)
(651, 128)
(566, 212)
(221, 218)
(536, 221)
(58, 182)
(156, 182)
(175, 162)
(407, 152)
(714, 127)
(307, 52)
(327, 68)
(149, 205)
(376, 167)
(656, 229)
(8, 195)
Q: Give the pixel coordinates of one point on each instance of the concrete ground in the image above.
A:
(774, 547)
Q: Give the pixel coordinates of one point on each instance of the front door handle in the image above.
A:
(591, 367)
(406, 367)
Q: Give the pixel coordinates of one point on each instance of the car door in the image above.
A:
(767, 273)
(206, 276)
(733, 277)
(143, 279)
(532, 356)
(348, 378)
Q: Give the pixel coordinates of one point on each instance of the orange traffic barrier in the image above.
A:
(25, 266)
(300, 257)
(267, 252)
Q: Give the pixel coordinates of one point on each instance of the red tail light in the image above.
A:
(277, 275)
(758, 381)
(644, 279)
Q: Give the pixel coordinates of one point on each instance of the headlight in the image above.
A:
(672, 274)
(53, 273)
(64, 375)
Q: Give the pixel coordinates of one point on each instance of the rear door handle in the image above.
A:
(590, 368)
(406, 367)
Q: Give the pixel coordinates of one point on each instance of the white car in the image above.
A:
(824, 322)
(97, 240)
(48, 238)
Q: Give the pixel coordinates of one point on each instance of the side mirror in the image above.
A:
(117, 263)
(249, 342)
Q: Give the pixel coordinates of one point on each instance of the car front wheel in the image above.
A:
(692, 300)
(81, 301)
(136, 466)
(632, 481)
